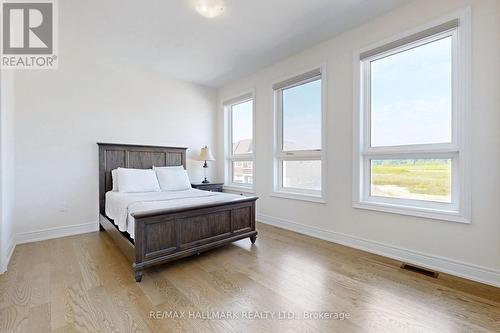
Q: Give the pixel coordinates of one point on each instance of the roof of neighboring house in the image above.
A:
(244, 146)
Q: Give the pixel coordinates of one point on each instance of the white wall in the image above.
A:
(6, 167)
(468, 246)
(61, 114)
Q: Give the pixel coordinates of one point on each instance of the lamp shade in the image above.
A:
(206, 155)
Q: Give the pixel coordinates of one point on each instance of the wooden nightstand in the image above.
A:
(212, 187)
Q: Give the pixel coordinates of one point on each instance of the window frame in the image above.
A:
(457, 150)
(229, 157)
(298, 155)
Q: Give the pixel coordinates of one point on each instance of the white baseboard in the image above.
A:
(464, 270)
(40, 235)
(4, 262)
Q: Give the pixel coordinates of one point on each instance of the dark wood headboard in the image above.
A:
(112, 156)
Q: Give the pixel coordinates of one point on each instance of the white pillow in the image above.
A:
(137, 180)
(114, 178)
(169, 167)
(173, 178)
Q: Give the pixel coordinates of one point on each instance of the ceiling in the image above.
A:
(170, 37)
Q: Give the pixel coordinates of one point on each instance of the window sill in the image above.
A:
(297, 196)
(242, 189)
(434, 214)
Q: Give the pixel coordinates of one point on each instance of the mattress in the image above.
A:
(121, 206)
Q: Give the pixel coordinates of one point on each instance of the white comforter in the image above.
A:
(120, 206)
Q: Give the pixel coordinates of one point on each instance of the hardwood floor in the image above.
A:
(84, 284)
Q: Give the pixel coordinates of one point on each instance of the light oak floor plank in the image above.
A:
(84, 284)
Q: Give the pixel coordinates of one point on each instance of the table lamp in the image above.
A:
(205, 155)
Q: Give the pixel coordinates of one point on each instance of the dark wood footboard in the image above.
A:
(166, 235)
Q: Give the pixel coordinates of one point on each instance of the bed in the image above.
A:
(155, 228)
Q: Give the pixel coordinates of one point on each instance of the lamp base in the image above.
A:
(205, 181)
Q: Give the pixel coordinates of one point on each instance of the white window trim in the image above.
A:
(458, 150)
(292, 193)
(228, 152)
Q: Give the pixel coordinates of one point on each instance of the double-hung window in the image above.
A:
(299, 144)
(410, 152)
(240, 152)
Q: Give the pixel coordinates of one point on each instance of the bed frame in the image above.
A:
(169, 234)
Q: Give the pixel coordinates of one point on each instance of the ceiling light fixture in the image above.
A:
(209, 8)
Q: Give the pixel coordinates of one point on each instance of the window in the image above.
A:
(240, 146)
(410, 155)
(299, 161)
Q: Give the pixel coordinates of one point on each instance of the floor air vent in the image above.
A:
(420, 270)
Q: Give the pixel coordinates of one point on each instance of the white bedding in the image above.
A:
(120, 206)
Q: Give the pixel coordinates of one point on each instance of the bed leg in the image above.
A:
(138, 276)
(101, 227)
(253, 239)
